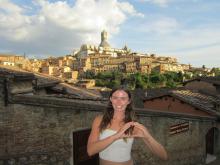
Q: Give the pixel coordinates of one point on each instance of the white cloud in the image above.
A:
(59, 25)
(200, 45)
(162, 3)
(128, 8)
(199, 37)
(9, 7)
(12, 22)
(208, 56)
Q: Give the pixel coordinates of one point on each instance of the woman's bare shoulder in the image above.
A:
(98, 119)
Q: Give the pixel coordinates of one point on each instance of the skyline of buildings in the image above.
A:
(186, 30)
(102, 58)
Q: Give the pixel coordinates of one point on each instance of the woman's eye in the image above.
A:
(119, 98)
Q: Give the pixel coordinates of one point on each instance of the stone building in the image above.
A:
(64, 67)
(104, 55)
(103, 48)
(15, 60)
(48, 122)
(198, 98)
(86, 83)
(105, 58)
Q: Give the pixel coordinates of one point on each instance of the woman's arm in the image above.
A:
(152, 144)
(95, 145)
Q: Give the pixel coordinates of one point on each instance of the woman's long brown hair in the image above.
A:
(109, 112)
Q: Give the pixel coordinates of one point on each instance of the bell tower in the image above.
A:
(104, 38)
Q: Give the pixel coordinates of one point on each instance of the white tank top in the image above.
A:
(118, 151)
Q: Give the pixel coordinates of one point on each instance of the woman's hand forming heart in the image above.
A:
(140, 130)
(133, 129)
(122, 132)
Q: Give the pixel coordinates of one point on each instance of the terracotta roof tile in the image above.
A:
(15, 73)
(214, 80)
(199, 100)
(45, 81)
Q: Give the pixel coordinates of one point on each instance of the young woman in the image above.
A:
(113, 133)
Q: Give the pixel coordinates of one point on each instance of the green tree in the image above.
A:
(88, 74)
(157, 79)
(216, 71)
(104, 75)
(100, 82)
(115, 83)
(171, 84)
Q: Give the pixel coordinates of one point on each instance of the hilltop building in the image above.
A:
(62, 67)
(15, 61)
(105, 58)
(104, 48)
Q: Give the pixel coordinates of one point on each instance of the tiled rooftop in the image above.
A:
(79, 97)
(57, 85)
(214, 80)
(201, 101)
(77, 91)
(93, 105)
(45, 81)
(157, 92)
(11, 72)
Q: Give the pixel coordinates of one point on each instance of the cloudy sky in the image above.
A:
(186, 29)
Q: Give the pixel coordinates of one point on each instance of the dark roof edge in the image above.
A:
(213, 80)
(157, 113)
(196, 105)
(45, 85)
(45, 101)
(186, 101)
(72, 104)
(156, 97)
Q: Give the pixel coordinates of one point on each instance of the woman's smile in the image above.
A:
(120, 100)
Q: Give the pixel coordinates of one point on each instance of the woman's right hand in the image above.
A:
(121, 133)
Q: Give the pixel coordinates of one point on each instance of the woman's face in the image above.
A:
(120, 100)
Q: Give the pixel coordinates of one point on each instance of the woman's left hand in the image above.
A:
(140, 130)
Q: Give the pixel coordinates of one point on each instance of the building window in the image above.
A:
(179, 128)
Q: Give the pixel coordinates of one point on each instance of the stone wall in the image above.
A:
(2, 92)
(187, 148)
(21, 87)
(41, 134)
(217, 142)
